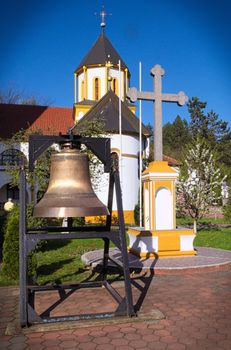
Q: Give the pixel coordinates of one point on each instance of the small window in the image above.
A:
(96, 88)
(12, 157)
(115, 85)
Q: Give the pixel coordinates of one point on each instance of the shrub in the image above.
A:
(137, 214)
(227, 211)
(2, 230)
(11, 248)
(11, 244)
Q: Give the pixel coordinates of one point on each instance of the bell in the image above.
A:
(69, 192)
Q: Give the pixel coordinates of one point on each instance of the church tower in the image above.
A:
(101, 83)
(98, 73)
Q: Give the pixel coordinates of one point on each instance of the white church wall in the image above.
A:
(96, 73)
(114, 73)
(130, 144)
(129, 172)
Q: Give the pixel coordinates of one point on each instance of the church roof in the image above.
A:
(107, 111)
(101, 52)
(50, 120)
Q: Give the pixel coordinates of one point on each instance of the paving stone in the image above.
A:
(87, 346)
(197, 309)
(105, 347)
(119, 341)
(68, 343)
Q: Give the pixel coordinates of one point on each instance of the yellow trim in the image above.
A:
(126, 155)
(123, 85)
(159, 167)
(168, 241)
(117, 150)
(82, 90)
(132, 108)
(179, 232)
(128, 218)
(166, 184)
(85, 82)
(126, 80)
(75, 97)
(153, 204)
(106, 79)
(80, 108)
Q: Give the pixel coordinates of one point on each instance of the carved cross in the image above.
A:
(157, 97)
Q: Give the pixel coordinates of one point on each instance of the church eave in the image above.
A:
(80, 70)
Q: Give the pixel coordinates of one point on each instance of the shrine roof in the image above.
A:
(49, 120)
(107, 112)
(101, 52)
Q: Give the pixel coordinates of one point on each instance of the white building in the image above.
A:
(100, 83)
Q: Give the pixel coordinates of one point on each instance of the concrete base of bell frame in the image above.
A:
(161, 243)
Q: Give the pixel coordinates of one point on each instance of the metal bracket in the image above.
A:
(101, 147)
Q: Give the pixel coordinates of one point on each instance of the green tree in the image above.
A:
(175, 136)
(206, 125)
(216, 132)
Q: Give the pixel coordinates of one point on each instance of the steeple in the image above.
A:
(98, 73)
(101, 52)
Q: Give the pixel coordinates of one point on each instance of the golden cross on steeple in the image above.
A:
(103, 14)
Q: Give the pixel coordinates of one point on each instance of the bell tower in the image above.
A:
(98, 73)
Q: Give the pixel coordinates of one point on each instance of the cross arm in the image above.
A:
(133, 94)
(180, 98)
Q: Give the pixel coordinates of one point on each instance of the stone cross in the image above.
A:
(157, 97)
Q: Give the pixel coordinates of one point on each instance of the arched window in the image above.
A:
(96, 89)
(12, 157)
(115, 85)
(163, 209)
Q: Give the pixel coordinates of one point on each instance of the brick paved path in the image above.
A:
(197, 309)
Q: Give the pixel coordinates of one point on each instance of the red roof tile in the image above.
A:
(171, 161)
(50, 120)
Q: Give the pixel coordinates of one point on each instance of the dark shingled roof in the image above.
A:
(50, 120)
(107, 111)
(101, 52)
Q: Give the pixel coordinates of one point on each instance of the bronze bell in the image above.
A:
(69, 192)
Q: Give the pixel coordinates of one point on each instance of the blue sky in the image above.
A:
(42, 42)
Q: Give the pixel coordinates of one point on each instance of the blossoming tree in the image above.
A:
(200, 185)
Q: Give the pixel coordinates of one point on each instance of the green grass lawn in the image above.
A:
(60, 261)
(206, 221)
(214, 238)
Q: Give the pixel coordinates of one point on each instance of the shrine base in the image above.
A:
(161, 243)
